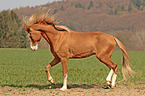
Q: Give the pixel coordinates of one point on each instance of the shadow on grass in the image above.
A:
(58, 85)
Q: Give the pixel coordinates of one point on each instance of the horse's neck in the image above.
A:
(50, 34)
(53, 36)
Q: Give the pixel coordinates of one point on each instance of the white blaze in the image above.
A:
(33, 47)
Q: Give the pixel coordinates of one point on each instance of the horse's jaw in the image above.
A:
(34, 47)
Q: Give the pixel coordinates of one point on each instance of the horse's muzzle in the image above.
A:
(34, 47)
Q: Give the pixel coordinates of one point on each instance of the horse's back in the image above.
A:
(93, 37)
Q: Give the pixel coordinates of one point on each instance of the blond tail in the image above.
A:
(126, 70)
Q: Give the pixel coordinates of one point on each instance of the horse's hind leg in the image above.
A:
(54, 62)
(113, 67)
(104, 56)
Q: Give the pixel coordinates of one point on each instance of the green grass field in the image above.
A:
(21, 67)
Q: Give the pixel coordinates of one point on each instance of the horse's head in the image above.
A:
(30, 25)
(35, 27)
(35, 37)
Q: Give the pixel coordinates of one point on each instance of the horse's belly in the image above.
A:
(81, 55)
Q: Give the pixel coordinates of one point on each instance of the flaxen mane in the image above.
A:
(43, 18)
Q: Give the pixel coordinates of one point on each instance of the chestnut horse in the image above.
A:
(65, 43)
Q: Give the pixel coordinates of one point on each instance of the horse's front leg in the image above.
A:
(64, 62)
(54, 62)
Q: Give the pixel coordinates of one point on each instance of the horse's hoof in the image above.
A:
(107, 87)
(63, 89)
(112, 87)
(52, 82)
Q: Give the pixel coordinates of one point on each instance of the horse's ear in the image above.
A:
(26, 28)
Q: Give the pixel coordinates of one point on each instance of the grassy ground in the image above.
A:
(23, 67)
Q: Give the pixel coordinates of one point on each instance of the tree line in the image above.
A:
(12, 35)
(117, 9)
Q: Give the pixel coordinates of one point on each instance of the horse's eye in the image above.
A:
(31, 37)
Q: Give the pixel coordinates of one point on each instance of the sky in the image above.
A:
(11, 4)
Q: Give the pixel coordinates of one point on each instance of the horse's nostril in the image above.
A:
(34, 48)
